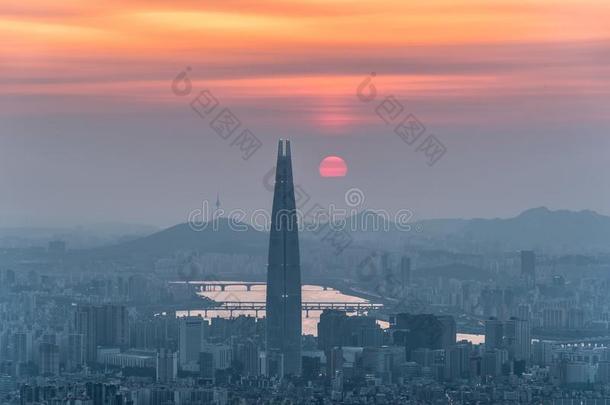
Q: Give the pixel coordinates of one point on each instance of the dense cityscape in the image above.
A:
(116, 335)
(304, 202)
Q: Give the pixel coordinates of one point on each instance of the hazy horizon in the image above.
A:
(111, 225)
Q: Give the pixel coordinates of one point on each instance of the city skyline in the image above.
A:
(304, 202)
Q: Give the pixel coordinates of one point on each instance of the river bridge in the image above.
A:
(257, 306)
(208, 286)
(586, 341)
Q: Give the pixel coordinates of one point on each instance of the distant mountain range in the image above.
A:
(538, 228)
(558, 231)
(78, 237)
(219, 238)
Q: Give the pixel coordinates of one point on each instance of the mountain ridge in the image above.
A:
(536, 228)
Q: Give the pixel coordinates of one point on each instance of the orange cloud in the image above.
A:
(315, 51)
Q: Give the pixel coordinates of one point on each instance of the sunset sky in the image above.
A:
(90, 130)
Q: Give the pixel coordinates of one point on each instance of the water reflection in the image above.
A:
(309, 293)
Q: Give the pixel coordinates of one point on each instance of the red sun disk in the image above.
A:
(333, 166)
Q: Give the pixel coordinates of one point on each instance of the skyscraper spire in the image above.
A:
(284, 274)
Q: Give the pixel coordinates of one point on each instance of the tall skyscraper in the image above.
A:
(192, 336)
(336, 328)
(22, 347)
(405, 273)
(167, 366)
(528, 265)
(75, 356)
(105, 325)
(86, 325)
(494, 334)
(423, 331)
(520, 337)
(49, 359)
(284, 273)
(449, 331)
(247, 354)
(112, 325)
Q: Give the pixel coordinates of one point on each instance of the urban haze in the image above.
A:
(304, 202)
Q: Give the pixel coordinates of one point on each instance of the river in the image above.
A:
(310, 293)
